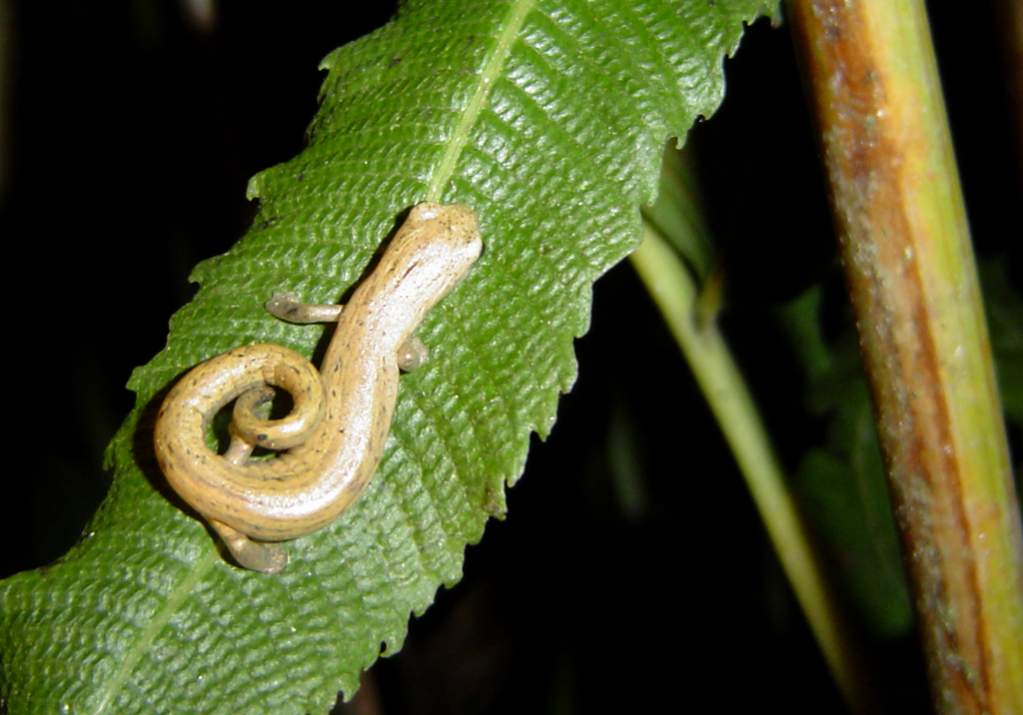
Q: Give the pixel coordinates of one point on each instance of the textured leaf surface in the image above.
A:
(549, 119)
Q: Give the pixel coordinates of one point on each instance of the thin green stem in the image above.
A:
(670, 284)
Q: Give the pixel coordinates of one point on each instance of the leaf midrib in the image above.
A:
(131, 658)
(492, 68)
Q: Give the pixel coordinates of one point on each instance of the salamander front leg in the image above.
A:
(289, 308)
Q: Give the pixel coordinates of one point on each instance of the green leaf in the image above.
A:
(844, 491)
(1004, 307)
(549, 119)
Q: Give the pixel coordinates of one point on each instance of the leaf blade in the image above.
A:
(549, 119)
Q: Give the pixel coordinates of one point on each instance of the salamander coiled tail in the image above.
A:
(333, 438)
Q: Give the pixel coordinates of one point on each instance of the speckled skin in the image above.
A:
(337, 430)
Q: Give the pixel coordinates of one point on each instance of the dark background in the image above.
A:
(127, 133)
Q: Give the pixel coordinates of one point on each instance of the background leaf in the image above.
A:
(548, 118)
(1004, 306)
(842, 483)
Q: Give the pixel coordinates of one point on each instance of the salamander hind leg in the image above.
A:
(254, 555)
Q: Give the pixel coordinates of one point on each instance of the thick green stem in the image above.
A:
(906, 248)
(670, 284)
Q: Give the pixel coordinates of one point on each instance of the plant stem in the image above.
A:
(905, 243)
(670, 284)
